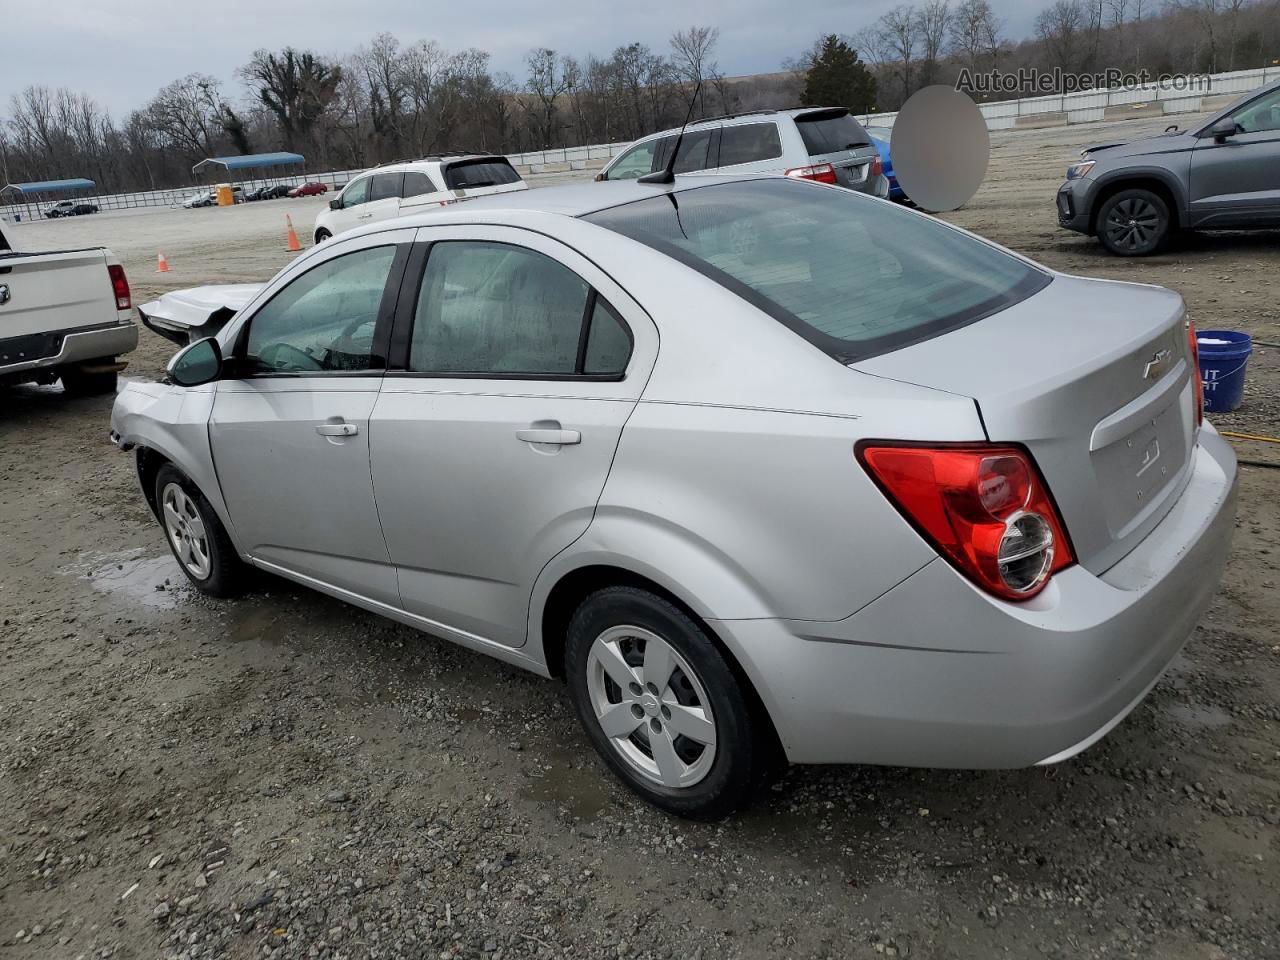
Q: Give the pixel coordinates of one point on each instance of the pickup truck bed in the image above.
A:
(64, 315)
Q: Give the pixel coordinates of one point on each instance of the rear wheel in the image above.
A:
(79, 382)
(196, 536)
(661, 704)
(1134, 223)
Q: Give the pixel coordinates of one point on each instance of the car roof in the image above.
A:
(747, 116)
(397, 166)
(578, 199)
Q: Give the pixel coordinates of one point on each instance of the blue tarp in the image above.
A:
(50, 186)
(253, 161)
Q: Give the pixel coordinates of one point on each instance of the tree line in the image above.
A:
(389, 100)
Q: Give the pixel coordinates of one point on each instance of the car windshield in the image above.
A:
(853, 275)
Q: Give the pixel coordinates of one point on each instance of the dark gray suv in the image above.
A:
(1221, 175)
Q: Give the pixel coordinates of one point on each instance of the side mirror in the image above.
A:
(1224, 128)
(599, 178)
(335, 204)
(201, 362)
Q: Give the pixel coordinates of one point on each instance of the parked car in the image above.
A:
(64, 315)
(205, 198)
(881, 137)
(276, 192)
(1222, 174)
(70, 208)
(400, 189)
(311, 189)
(817, 522)
(825, 144)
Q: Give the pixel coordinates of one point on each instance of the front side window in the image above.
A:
(749, 143)
(357, 193)
(495, 309)
(385, 186)
(1263, 114)
(853, 276)
(324, 321)
(636, 162)
(416, 185)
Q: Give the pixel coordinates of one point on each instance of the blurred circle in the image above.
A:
(940, 148)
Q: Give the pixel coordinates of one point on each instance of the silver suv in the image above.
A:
(825, 144)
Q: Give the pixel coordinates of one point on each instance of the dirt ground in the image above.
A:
(284, 775)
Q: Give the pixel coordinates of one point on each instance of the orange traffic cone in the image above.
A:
(293, 246)
(162, 265)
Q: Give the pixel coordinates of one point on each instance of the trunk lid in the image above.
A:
(1094, 378)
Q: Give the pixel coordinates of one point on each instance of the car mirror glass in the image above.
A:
(201, 362)
(335, 204)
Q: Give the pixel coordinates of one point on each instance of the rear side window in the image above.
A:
(479, 173)
(852, 276)
(495, 309)
(416, 184)
(694, 155)
(831, 131)
(749, 143)
(385, 186)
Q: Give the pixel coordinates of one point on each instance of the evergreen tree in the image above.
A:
(836, 77)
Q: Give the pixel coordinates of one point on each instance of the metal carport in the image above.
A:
(34, 193)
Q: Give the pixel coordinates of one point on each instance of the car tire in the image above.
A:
(1134, 223)
(196, 536)
(322, 235)
(77, 382)
(655, 734)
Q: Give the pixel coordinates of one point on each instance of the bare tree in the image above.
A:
(550, 76)
(1060, 28)
(899, 31)
(931, 24)
(295, 86)
(973, 32)
(691, 58)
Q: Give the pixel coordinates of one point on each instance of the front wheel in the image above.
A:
(1134, 223)
(196, 536)
(661, 704)
(322, 235)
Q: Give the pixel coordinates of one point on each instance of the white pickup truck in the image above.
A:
(64, 315)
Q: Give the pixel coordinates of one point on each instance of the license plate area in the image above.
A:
(1135, 471)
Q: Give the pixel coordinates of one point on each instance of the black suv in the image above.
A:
(1222, 175)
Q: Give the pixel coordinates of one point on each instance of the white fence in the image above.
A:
(1085, 106)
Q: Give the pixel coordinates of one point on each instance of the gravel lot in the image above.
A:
(287, 776)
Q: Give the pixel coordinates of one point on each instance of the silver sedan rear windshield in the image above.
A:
(854, 276)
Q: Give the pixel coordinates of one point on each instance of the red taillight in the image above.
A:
(877, 167)
(822, 172)
(120, 286)
(983, 507)
(1195, 371)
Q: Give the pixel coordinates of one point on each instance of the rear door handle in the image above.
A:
(559, 437)
(338, 429)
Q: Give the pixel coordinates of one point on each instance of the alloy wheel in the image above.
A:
(1133, 224)
(186, 531)
(652, 706)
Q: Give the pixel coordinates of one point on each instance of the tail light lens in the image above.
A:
(1194, 345)
(983, 507)
(120, 286)
(877, 167)
(822, 172)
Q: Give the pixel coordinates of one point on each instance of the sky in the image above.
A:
(123, 51)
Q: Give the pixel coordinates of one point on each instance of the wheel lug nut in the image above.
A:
(651, 688)
(635, 689)
(655, 726)
(666, 712)
(637, 711)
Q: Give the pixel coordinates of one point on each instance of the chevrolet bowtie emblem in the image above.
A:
(1157, 365)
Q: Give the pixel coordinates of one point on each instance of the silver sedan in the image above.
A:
(763, 468)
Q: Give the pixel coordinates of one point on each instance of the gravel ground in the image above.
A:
(287, 776)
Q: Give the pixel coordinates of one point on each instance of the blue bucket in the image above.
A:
(1223, 357)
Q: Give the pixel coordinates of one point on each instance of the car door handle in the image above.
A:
(338, 429)
(559, 437)
(364, 216)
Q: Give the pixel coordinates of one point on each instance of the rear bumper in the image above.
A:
(936, 673)
(59, 348)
